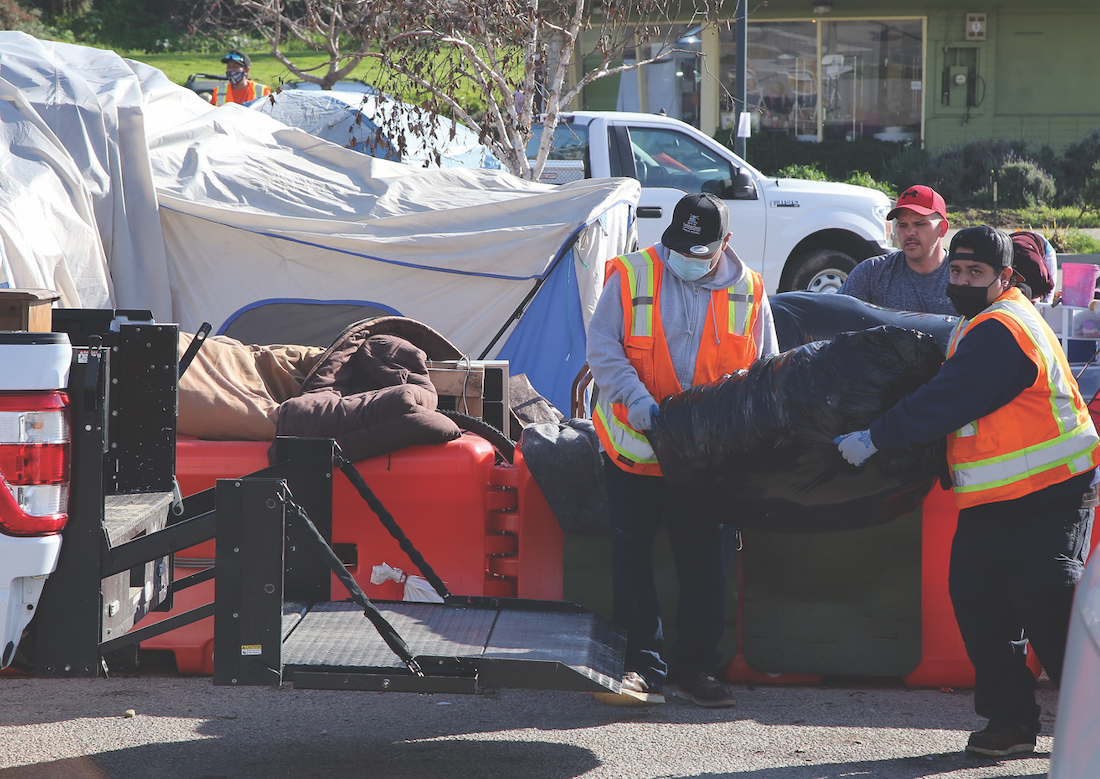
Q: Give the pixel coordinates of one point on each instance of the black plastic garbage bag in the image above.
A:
(564, 459)
(756, 449)
(804, 317)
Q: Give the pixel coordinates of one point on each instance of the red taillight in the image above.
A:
(34, 462)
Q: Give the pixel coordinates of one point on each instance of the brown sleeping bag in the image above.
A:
(370, 391)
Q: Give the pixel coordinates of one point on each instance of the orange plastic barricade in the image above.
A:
(485, 529)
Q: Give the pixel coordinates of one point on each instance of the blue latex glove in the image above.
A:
(641, 416)
(856, 447)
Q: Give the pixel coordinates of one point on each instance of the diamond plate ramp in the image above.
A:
(525, 644)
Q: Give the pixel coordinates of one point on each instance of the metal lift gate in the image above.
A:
(273, 620)
(461, 645)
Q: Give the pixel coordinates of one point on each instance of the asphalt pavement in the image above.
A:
(173, 727)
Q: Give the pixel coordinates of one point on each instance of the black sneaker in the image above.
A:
(1001, 738)
(633, 692)
(705, 690)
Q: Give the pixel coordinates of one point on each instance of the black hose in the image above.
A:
(504, 445)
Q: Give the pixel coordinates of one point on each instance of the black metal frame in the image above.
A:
(117, 558)
(117, 555)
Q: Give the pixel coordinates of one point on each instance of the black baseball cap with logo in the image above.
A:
(986, 244)
(699, 223)
(239, 57)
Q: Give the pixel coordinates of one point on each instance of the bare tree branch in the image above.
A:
(496, 69)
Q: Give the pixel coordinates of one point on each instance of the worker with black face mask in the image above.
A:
(1022, 451)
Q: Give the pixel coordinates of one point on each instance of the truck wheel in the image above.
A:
(820, 270)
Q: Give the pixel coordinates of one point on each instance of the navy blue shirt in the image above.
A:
(987, 371)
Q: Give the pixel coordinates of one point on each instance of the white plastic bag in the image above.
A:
(417, 588)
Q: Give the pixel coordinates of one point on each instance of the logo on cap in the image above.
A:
(692, 225)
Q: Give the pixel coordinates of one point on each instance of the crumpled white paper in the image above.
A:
(417, 589)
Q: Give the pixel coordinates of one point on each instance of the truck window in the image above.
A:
(570, 142)
(668, 158)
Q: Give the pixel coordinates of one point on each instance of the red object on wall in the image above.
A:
(485, 529)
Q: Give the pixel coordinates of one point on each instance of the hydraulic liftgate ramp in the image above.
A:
(459, 646)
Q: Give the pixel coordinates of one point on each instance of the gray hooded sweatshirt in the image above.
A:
(683, 307)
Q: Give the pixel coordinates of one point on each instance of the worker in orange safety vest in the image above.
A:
(240, 88)
(1023, 455)
(683, 312)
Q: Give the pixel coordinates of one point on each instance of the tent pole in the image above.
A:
(566, 250)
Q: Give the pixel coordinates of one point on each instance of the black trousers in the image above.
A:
(639, 505)
(1012, 580)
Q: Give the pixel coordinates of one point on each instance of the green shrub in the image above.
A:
(962, 173)
(901, 169)
(1076, 166)
(808, 172)
(772, 152)
(136, 25)
(1090, 192)
(1023, 184)
(861, 179)
(14, 16)
(1077, 242)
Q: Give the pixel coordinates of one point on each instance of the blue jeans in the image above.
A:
(638, 504)
(1011, 581)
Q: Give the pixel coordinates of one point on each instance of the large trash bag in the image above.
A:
(756, 449)
(804, 317)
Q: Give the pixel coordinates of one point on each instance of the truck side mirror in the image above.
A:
(742, 188)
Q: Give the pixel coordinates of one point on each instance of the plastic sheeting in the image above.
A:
(804, 317)
(756, 449)
(130, 191)
(378, 126)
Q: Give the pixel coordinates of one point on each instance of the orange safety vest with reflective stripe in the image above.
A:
(249, 90)
(732, 314)
(1042, 437)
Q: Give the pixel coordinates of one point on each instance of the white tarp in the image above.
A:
(251, 211)
(379, 126)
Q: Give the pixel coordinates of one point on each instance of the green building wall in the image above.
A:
(1036, 69)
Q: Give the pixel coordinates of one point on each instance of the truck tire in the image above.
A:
(819, 270)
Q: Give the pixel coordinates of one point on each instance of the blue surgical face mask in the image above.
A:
(689, 268)
(236, 77)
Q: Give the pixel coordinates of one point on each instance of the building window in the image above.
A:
(671, 85)
(862, 79)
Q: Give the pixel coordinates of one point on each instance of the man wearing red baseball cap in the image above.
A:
(914, 278)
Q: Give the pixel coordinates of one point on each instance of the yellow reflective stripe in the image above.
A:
(627, 441)
(742, 296)
(1069, 449)
(640, 281)
(1061, 395)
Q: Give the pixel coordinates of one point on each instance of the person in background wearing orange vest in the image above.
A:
(1023, 452)
(240, 88)
(683, 312)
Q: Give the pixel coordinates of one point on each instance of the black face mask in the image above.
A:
(969, 301)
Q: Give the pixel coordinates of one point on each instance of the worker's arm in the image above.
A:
(611, 371)
(987, 371)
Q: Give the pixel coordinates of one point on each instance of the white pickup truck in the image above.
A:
(34, 469)
(800, 235)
